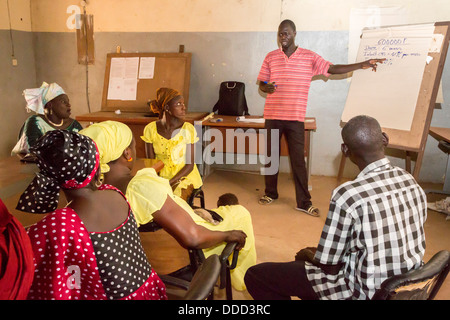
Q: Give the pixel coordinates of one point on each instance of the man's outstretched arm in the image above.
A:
(344, 68)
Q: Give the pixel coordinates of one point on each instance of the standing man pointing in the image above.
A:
(285, 76)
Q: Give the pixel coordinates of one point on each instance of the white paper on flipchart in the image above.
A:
(390, 94)
(371, 17)
(375, 17)
(435, 47)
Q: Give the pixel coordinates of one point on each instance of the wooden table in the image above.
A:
(135, 120)
(253, 128)
(15, 176)
(443, 134)
(440, 133)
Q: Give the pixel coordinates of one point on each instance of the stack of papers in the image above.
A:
(254, 120)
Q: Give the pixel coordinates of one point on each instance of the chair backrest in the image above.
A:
(419, 284)
(204, 279)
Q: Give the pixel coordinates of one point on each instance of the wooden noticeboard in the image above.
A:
(411, 137)
(171, 70)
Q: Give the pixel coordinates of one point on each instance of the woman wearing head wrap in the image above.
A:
(91, 248)
(152, 200)
(171, 140)
(52, 108)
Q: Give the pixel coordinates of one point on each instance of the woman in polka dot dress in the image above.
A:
(91, 248)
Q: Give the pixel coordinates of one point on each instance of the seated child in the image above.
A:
(233, 214)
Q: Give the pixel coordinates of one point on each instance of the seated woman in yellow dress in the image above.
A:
(152, 199)
(171, 140)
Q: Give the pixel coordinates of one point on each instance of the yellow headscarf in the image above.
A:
(163, 97)
(111, 137)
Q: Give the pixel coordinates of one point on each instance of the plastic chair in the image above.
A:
(197, 258)
(197, 194)
(420, 284)
(201, 287)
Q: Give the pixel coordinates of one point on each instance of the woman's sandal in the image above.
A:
(312, 211)
(265, 200)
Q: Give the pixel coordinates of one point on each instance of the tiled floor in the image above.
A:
(280, 231)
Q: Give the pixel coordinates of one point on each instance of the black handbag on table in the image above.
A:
(232, 100)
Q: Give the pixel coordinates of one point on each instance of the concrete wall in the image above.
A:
(16, 43)
(228, 41)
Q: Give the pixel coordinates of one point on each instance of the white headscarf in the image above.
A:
(37, 98)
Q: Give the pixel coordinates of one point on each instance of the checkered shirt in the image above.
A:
(374, 228)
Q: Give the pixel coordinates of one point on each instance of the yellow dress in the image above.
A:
(236, 217)
(147, 193)
(172, 152)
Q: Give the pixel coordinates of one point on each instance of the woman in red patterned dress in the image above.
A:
(91, 248)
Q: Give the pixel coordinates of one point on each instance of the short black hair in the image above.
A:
(227, 199)
(363, 134)
(290, 23)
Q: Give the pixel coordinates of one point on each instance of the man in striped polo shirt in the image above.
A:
(286, 76)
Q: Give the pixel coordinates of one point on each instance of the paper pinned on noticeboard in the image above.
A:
(123, 78)
(147, 68)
